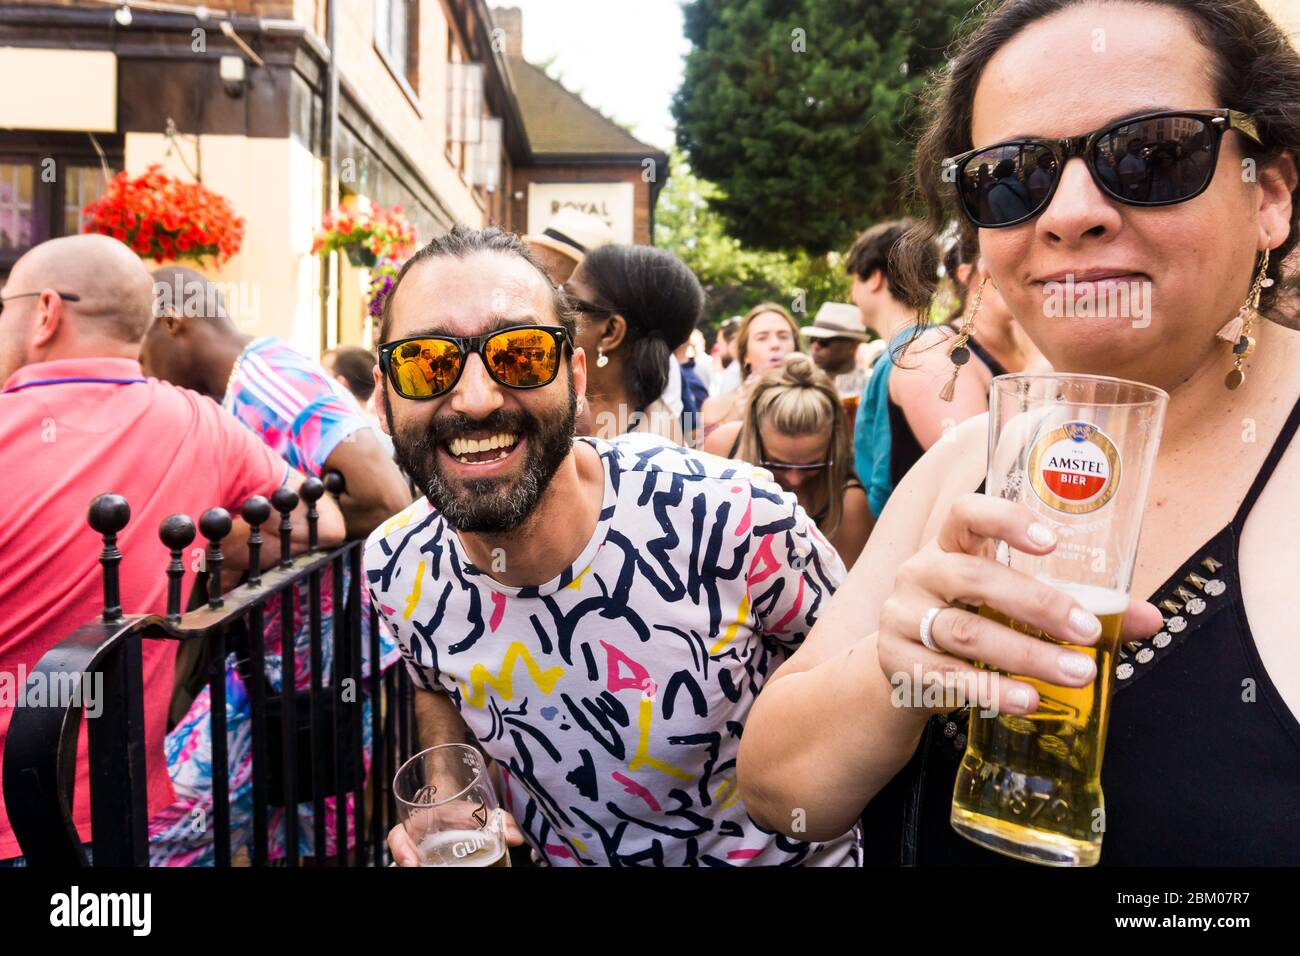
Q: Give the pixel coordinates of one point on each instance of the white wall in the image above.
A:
(275, 184)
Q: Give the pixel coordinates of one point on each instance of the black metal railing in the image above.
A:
(41, 745)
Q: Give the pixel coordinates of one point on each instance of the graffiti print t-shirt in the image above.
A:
(614, 696)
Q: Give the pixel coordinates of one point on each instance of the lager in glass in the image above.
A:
(1078, 451)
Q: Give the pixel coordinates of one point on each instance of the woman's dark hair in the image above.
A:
(355, 365)
(873, 251)
(660, 300)
(965, 249)
(1254, 69)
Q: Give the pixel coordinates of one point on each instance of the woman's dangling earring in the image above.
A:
(1237, 329)
(959, 354)
(601, 358)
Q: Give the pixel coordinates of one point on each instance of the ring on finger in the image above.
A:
(927, 627)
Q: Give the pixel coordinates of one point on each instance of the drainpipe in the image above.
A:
(329, 147)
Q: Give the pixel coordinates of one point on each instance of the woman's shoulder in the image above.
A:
(927, 350)
(720, 408)
(721, 438)
(856, 505)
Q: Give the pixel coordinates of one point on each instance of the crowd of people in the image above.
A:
(664, 585)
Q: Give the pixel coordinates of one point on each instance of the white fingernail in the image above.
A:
(1018, 698)
(1075, 664)
(1040, 533)
(1083, 623)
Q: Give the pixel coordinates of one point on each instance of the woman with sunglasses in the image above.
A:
(1202, 764)
(635, 305)
(794, 426)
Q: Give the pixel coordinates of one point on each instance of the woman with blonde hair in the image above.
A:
(768, 333)
(794, 426)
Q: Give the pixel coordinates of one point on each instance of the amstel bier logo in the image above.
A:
(1075, 468)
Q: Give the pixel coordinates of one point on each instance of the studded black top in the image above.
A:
(1202, 764)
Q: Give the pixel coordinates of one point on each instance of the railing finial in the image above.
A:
(311, 491)
(255, 512)
(285, 500)
(176, 532)
(108, 515)
(215, 525)
(335, 484)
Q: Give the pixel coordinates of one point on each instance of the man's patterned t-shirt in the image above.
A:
(613, 697)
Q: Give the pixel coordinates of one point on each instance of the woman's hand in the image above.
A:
(958, 568)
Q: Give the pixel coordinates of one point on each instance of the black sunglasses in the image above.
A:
(1157, 159)
(585, 307)
(426, 366)
(786, 466)
(65, 296)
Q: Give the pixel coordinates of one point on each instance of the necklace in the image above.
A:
(230, 382)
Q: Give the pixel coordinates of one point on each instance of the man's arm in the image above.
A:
(330, 530)
(437, 721)
(374, 489)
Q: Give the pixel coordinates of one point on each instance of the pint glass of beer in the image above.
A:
(1078, 451)
(448, 806)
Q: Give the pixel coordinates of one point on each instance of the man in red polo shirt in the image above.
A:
(79, 418)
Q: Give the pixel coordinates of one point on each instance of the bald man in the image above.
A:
(291, 402)
(79, 418)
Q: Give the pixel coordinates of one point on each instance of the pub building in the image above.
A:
(288, 108)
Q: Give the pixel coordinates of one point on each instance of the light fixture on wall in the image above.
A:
(123, 15)
(233, 75)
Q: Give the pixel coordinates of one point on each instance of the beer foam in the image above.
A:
(1096, 600)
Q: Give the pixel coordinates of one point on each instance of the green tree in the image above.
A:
(802, 111)
(736, 277)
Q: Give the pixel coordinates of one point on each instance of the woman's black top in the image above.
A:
(904, 450)
(1202, 764)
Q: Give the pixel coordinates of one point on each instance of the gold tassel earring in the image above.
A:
(1237, 329)
(959, 354)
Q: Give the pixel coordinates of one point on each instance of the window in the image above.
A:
(17, 212)
(46, 179)
(464, 102)
(485, 167)
(82, 185)
(396, 39)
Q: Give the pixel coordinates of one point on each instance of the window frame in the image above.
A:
(48, 199)
(406, 76)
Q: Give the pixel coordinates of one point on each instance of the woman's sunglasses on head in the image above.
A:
(427, 366)
(1157, 159)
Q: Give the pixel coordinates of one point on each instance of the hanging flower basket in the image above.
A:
(382, 279)
(361, 257)
(166, 219)
(366, 233)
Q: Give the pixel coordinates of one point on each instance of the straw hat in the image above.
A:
(836, 320)
(573, 234)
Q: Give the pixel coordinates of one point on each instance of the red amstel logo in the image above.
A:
(1074, 469)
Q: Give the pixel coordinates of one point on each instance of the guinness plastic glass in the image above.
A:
(448, 806)
(1078, 451)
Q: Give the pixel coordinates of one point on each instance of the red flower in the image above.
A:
(166, 218)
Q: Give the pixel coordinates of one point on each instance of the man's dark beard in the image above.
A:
(487, 505)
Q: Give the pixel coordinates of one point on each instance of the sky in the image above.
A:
(623, 56)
